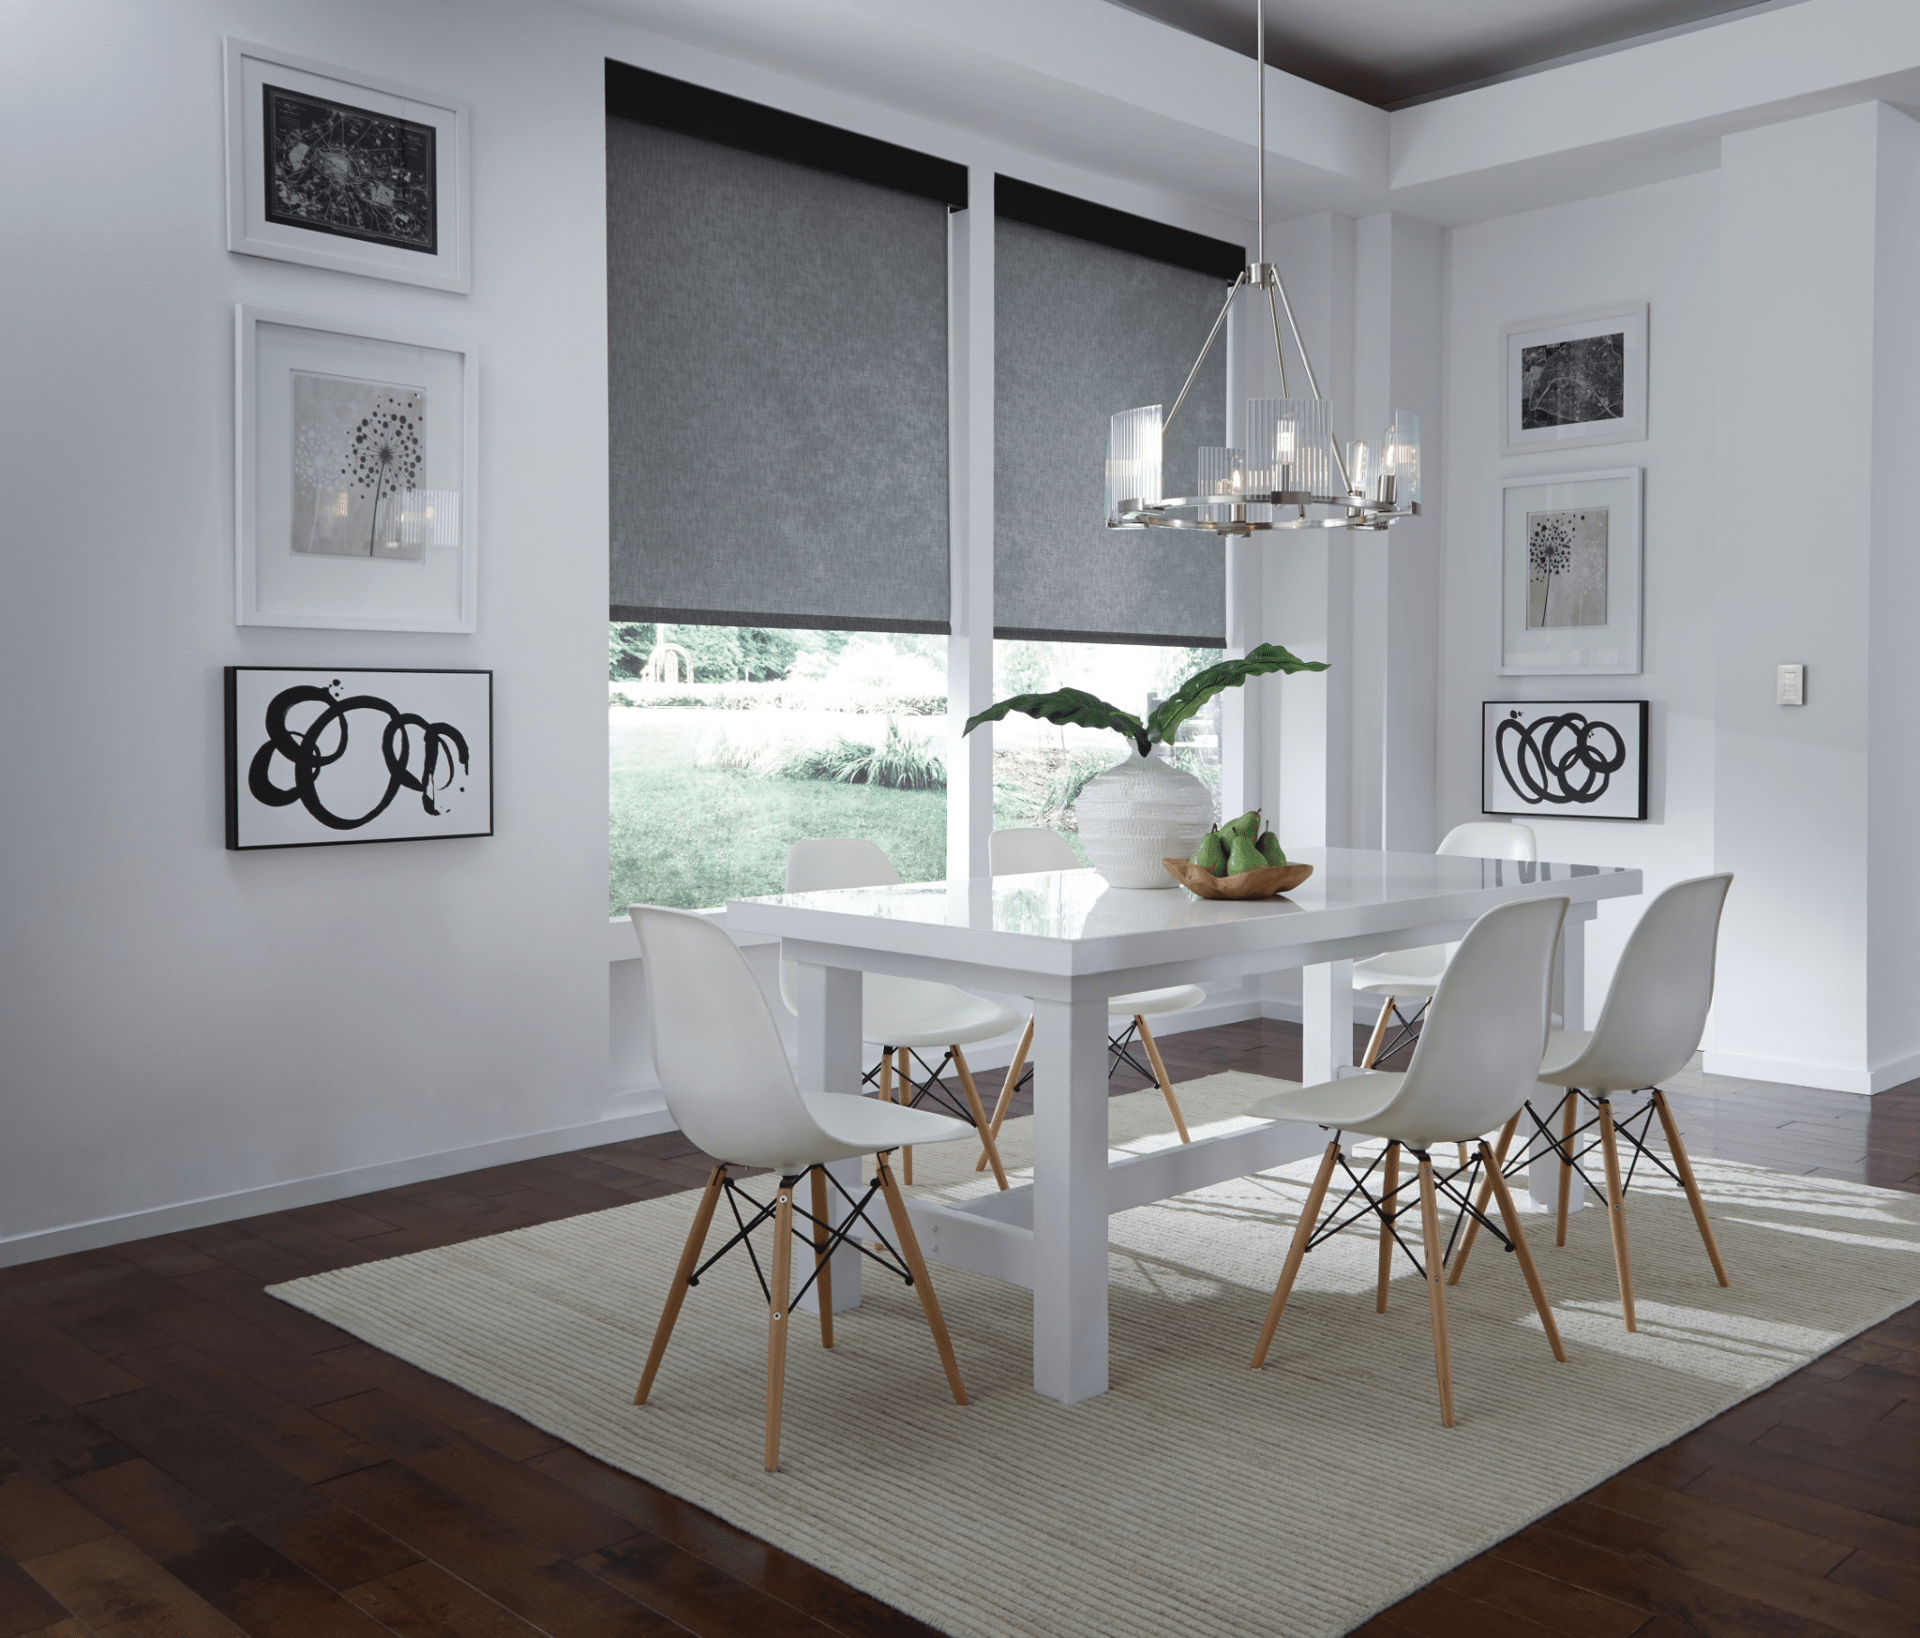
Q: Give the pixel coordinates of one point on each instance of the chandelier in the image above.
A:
(1284, 474)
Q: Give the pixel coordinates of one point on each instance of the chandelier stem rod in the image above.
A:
(1194, 373)
(1260, 79)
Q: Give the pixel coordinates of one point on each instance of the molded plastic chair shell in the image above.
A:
(1657, 1007)
(724, 1072)
(1475, 1061)
(1018, 851)
(898, 1012)
(1416, 972)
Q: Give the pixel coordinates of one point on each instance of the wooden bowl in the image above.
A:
(1249, 884)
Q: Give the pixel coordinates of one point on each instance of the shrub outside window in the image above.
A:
(729, 743)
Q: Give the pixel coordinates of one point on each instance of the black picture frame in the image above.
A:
(1544, 759)
(255, 746)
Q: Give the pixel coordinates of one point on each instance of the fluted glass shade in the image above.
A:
(1400, 457)
(1133, 459)
(1287, 445)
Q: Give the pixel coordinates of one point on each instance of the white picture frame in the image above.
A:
(1561, 378)
(298, 380)
(396, 208)
(1582, 615)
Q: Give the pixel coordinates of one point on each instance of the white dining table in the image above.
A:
(1066, 941)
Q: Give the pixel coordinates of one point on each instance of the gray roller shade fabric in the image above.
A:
(777, 386)
(1080, 331)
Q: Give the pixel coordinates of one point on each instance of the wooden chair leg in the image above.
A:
(1436, 1289)
(1569, 1113)
(1379, 1034)
(922, 1282)
(1309, 1215)
(1007, 1089)
(1486, 1192)
(677, 1292)
(1617, 1212)
(1160, 1075)
(1685, 1168)
(822, 1263)
(903, 1062)
(886, 1074)
(781, 1274)
(1389, 1209)
(1511, 1216)
(980, 1122)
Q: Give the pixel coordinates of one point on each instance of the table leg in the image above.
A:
(1069, 1199)
(1326, 994)
(830, 1062)
(1569, 1006)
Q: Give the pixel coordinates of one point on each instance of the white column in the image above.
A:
(830, 1062)
(970, 525)
(1069, 1199)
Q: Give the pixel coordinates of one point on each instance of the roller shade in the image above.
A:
(777, 370)
(1082, 329)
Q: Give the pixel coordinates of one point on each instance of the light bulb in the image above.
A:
(1358, 460)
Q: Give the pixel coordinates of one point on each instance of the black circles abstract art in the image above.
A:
(320, 757)
(1567, 759)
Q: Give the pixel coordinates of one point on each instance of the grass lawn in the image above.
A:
(691, 837)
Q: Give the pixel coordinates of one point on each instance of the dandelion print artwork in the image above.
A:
(1567, 568)
(334, 168)
(357, 459)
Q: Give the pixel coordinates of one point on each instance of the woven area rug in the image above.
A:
(1197, 1496)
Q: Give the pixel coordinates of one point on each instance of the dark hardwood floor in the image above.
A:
(182, 1455)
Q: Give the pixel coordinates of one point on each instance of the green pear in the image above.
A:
(1247, 825)
(1245, 856)
(1211, 854)
(1270, 846)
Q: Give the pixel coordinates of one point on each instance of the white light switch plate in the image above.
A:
(1790, 685)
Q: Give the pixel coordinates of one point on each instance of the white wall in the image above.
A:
(190, 1034)
(1658, 244)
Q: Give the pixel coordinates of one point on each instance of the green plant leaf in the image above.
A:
(1070, 705)
(1185, 700)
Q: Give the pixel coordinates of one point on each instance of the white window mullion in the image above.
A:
(970, 500)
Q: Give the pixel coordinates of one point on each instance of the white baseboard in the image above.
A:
(1825, 1077)
(642, 1114)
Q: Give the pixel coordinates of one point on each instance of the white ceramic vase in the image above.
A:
(1138, 813)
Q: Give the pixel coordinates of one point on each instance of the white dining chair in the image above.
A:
(1016, 852)
(731, 1091)
(1649, 1029)
(1473, 1064)
(903, 1015)
(1411, 975)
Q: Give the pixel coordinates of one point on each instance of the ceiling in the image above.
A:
(1391, 52)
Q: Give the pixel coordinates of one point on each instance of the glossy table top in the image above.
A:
(1070, 921)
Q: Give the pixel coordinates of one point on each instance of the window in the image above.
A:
(1039, 770)
(728, 743)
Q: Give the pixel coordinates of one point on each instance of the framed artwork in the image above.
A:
(317, 757)
(1570, 759)
(354, 476)
(335, 168)
(1578, 380)
(1570, 574)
